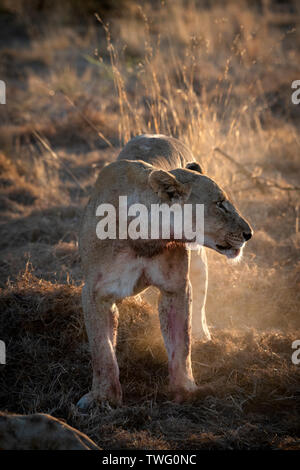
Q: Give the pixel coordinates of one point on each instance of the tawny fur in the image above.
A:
(151, 170)
(40, 432)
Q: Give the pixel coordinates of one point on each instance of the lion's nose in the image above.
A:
(247, 235)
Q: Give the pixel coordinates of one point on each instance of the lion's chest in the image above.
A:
(128, 274)
(121, 278)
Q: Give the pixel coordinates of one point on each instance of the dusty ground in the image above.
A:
(76, 91)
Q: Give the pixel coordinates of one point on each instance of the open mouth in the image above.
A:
(229, 250)
(223, 247)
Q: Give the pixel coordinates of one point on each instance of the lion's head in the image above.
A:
(225, 230)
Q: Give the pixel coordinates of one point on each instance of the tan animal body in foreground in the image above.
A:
(151, 169)
(40, 432)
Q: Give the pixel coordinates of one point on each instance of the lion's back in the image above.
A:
(159, 150)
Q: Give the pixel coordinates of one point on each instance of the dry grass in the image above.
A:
(216, 76)
(250, 382)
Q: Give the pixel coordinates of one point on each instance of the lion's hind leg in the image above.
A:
(199, 281)
(175, 316)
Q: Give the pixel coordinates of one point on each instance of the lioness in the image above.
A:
(151, 169)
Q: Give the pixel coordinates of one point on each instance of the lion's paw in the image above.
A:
(91, 398)
(85, 402)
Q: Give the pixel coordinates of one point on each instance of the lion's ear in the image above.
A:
(168, 188)
(194, 166)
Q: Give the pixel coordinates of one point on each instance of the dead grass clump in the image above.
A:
(40, 305)
(47, 226)
(25, 195)
(43, 331)
(247, 379)
(29, 178)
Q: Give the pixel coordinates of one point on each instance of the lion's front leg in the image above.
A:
(175, 319)
(101, 321)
